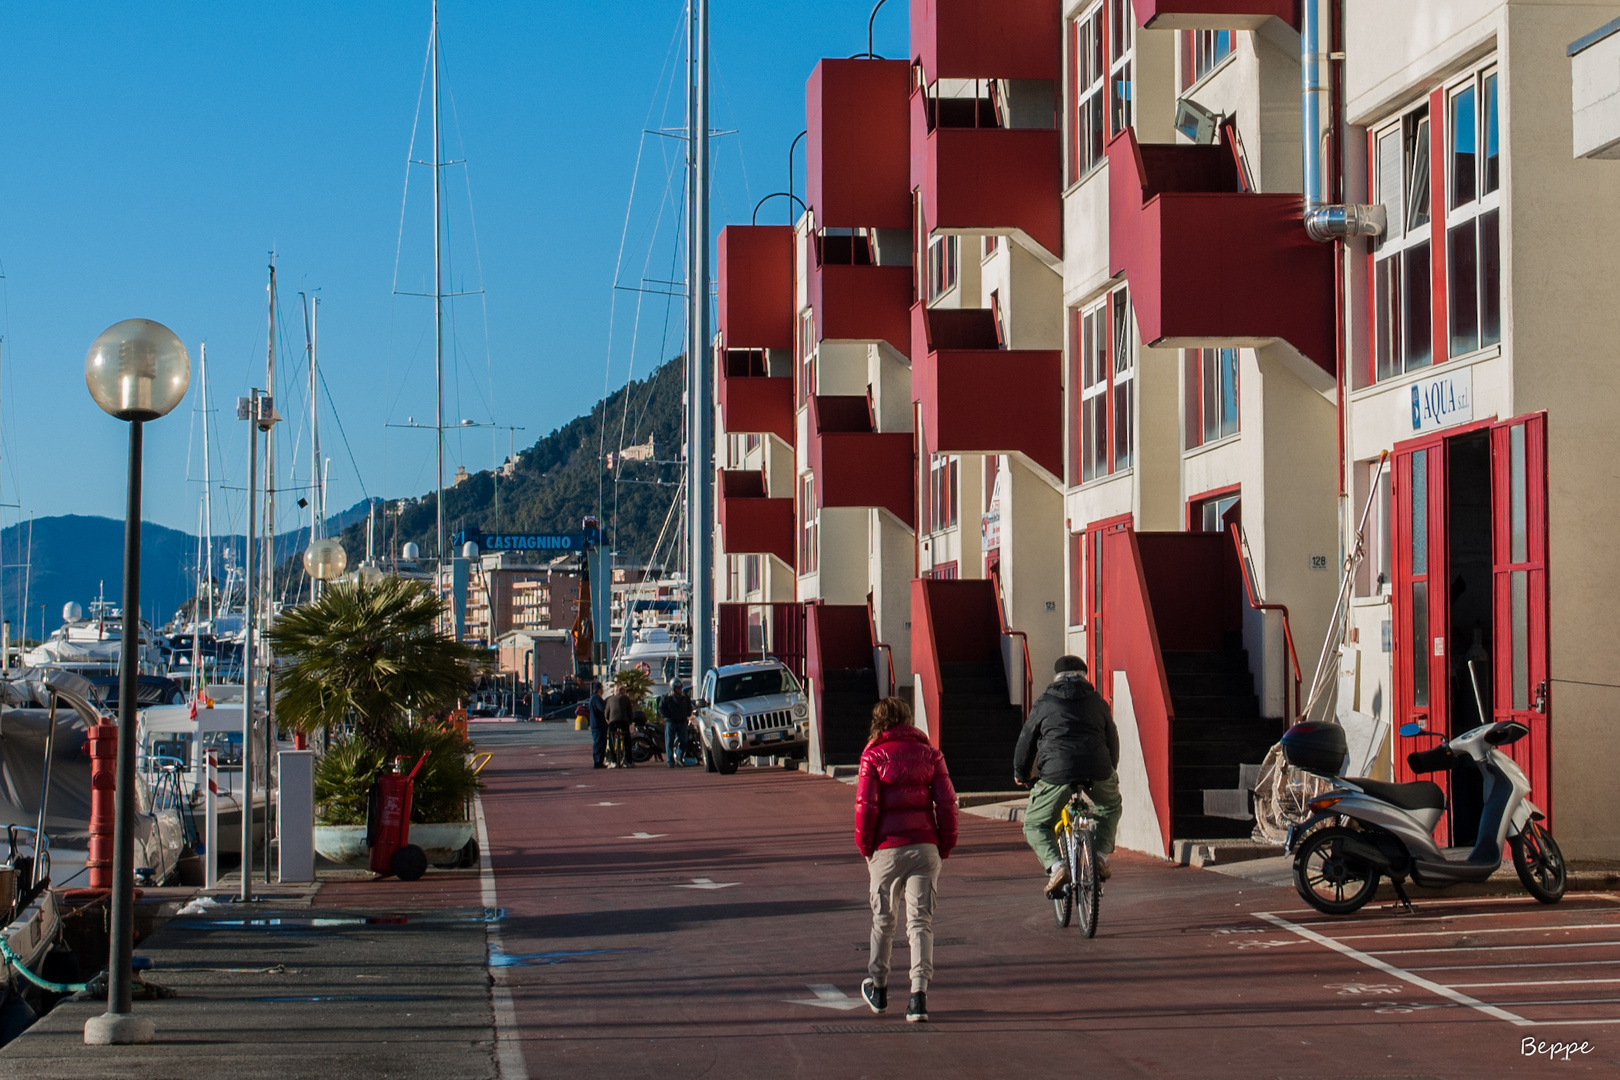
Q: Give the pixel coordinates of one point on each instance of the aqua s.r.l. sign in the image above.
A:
(1443, 400)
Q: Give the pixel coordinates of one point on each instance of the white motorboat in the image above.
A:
(90, 644)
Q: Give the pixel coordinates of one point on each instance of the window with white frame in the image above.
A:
(1210, 385)
(1102, 381)
(1101, 46)
(1401, 276)
(1091, 344)
(1123, 347)
(809, 525)
(1473, 215)
(944, 260)
(807, 354)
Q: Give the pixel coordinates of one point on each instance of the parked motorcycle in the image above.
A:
(647, 744)
(1363, 829)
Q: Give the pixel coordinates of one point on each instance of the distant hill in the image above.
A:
(554, 486)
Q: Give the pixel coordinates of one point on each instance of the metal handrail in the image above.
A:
(888, 650)
(1257, 604)
(1001, 618)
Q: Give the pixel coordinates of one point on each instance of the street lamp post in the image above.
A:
(137, 370)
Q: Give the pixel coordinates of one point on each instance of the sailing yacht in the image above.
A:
(90, 644)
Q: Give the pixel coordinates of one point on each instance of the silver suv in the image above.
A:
(755, 709)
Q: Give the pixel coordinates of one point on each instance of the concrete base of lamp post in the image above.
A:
(118, 1029)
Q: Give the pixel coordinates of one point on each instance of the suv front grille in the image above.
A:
(770, 721)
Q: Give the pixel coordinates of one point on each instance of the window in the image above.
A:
(1208, 514)
(752, 578)
(1101, 47)
(946, 571)
(1210, 385)
(809, 525)
(807, 354)
(944, 258)
(1376, 570)
(1103, 366)
(1077, 579)
(1473, 241)
(988, 245)
(944, 491)
(1202, 52)
(1401, 279)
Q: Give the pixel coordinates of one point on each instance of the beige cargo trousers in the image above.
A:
(912, 871)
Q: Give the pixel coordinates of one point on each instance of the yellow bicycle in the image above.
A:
(1077, 842)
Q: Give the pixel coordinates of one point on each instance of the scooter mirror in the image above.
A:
(1411, 729)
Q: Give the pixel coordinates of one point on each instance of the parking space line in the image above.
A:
(1390, 969)
(1547, 964)
(1493, 948)
(1539, 982)
(1491, 930)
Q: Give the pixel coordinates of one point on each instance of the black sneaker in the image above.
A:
(917, 1011)
(876, 996)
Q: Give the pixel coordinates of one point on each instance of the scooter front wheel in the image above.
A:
(1328, 877)
(1539, 863)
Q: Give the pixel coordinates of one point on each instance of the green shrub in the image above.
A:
(445, 783)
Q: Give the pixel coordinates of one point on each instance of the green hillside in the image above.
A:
(560, 478)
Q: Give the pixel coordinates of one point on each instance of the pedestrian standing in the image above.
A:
(598, 713)
(905, 826)
(676, 709)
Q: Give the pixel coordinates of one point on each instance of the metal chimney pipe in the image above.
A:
(1324, 221)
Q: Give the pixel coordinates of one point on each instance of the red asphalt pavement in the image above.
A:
(672, 923)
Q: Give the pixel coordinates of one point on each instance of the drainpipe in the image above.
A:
(1324, 221)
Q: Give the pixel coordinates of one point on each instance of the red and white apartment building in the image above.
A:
(1052, 363)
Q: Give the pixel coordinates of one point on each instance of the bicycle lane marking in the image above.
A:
(1376, 964)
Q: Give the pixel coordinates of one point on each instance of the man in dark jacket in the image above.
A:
(596, 709)
(676, 709)
(621, 713)
(1068, 740)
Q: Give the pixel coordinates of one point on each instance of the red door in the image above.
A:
(1519, 594)
(1096, 640)
(1418, 486)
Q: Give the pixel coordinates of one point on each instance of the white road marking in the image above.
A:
(607, 804)
(1548, 964)
(705, 883)
(1543, 928)
(509, 1063)
(1390, 969)
(1541, 982)
(1492, 948)
(644, 836)
(827, 997)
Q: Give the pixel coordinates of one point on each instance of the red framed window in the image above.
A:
(807, 355)
(1210, 385)
(1437, 270)
(1202, 52)
(809, 526)
(1102, 373)
(1213, 511)
(944, 492)
(945, 571)
(1095, 592)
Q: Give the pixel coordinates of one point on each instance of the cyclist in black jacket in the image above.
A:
(1069, 739)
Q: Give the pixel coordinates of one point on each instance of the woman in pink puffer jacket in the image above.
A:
(905, 825)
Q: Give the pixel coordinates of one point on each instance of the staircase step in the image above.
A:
(1206, 662)
(1210, 683)
(1211, 754)
(1199, 827)
(1212, 707)
(1189, 728)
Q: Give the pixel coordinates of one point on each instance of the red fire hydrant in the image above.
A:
(388, 826)
(103, 750)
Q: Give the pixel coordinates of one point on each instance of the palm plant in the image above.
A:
(369, 655)
(344, 774)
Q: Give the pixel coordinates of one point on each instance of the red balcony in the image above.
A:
(757, 303)
(1210, 265)
(978, 398)
(752, 400)
(750, 522)
(1215, 14)
(988, 179)
(857, 172)
(862, 302)
(856, 466)
(987, 39)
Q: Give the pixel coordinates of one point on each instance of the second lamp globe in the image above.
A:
(137, 370)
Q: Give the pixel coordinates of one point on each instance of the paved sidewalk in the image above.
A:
(356, 979)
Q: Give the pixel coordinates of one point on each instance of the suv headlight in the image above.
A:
(800, 712)
(733, 721)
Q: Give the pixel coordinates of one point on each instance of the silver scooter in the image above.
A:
(1364, 829)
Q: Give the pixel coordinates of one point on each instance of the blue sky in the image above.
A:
(153, 154)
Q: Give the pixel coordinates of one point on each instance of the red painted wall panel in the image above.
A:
(987, 39)
(952, 622)
(839, 637)
(756, 287)
(857, 166)
(857, 467)
(993, 401)
(754, 403)
(1131, 645)
(994, 179)
(1213, 14)
(863, 303)
(1193, 588)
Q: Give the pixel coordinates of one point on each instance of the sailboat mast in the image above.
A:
(438, 307)
(208, 493)
(268, 569)
(317, 500)
(700, 361)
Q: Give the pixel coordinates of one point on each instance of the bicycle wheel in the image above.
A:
(1084, 881)
(1063, 902)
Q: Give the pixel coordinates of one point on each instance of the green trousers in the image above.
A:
(1046, 803)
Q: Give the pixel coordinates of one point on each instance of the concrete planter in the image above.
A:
(346, 844)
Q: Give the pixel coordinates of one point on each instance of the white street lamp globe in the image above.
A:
(137, 370)
(325, 560)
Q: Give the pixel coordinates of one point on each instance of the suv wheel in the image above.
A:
(708, 759)
(725, 762)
